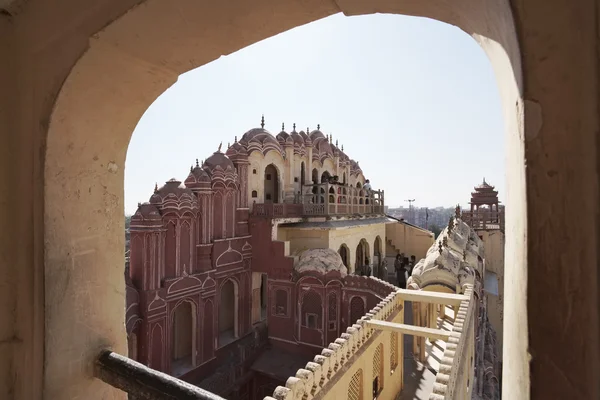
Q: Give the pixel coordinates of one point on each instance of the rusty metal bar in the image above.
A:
(142, 382)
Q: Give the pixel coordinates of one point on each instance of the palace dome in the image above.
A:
(171, 187)
(197, 176)
(146, 212)
(218, 159)
(321, 261)
(236, 149)
(298, 139)
(316, 134)
(258, 139)
(283, 137)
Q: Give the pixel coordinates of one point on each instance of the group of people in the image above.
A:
(403, 268)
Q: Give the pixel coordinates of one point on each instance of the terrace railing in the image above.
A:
(325, 199)
(142, 382)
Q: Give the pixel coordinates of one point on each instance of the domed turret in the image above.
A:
(173, 194)
(321, 261)
(198, 178)
(146, 214)
(284, 138)
(217, 159)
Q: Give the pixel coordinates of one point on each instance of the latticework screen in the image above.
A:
(357, 309)
(393, 351)
(355, 389)
(332, 307)
(378, 368)
(311, 304)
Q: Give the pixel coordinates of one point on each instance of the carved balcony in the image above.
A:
(325, 199)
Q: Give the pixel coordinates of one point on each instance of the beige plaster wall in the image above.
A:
(493, 241)
(351, 237)
(392, 380)
(302, 239)
(407, 239)
(256, 181)
(71, 97)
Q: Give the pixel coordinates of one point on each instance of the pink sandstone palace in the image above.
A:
(238, 275)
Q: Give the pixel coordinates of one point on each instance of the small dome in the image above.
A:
(253, 133)
(146, 212)
(297, 138)
(259, 139)
(304, 136)
(321, 261)
(218, 159)
(316, 134)
(235, 149)
(172, 186)
(283, 137)
(197, 176)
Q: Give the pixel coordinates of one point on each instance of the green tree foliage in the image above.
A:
(435, 229)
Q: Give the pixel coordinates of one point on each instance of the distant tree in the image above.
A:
(435, 229)
(127, 221)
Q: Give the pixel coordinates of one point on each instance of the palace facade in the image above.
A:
(238, 273)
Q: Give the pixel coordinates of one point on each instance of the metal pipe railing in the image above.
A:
(142, 382)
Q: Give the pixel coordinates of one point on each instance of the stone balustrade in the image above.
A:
(346, 368)
(455, 378)
(325, 199)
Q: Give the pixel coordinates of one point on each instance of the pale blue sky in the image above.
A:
(415, 101)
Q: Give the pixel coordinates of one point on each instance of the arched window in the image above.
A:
(183, 338)
(312, 310)
(254, 194)
(228, 313)
(332, 312)
(344, 254)
(357, 309)
(378, 370)
(393, 351)
(271, 184)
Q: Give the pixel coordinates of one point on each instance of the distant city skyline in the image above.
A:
(413, 100)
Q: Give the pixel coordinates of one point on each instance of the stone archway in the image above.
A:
(228, 312)
(183, 338)
(271, 184)
(378, 257)
(344, 253)
(87, 141)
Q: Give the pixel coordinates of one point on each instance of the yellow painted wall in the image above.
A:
(392, 380)
(407, 239)
(493, 242)
(256, 181)
(300, 239)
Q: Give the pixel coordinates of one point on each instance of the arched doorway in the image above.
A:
(363, 263)
(183, 338)
(378, 256)
(271, 184)
(503, 50)
(325, 177)
(228, 313)
(302, 174)
(345, 255)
